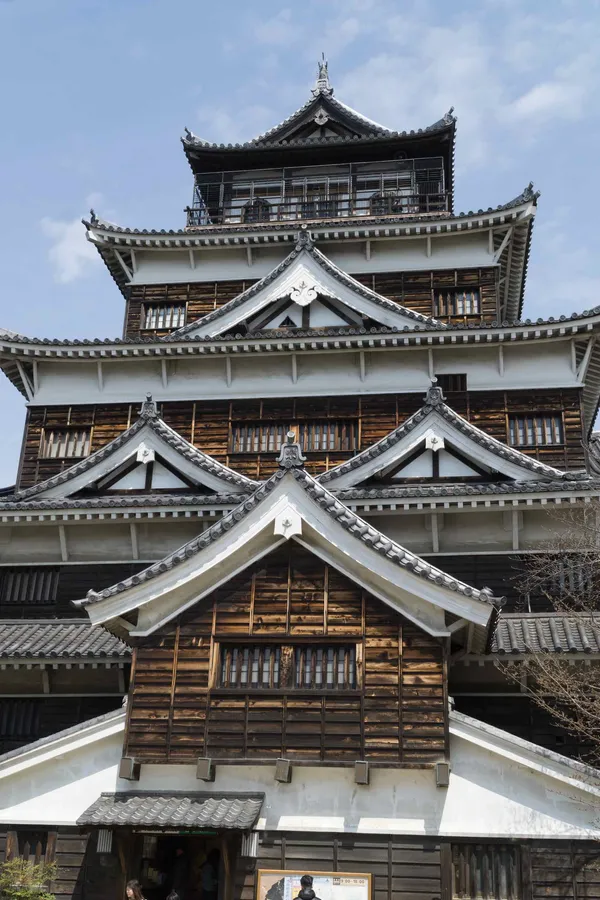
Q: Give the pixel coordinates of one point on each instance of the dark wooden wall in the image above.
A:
(207, 424)
(66, 847)
(415, 290)
(397, 714)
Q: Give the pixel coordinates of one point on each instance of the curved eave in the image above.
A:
(370, 501)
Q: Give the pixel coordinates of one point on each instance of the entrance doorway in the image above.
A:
(194, 866)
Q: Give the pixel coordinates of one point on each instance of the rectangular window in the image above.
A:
(329, 667)
(537, 430)
(28, 587)
(161, 316)
(257, 666)
(450, 383)
(325, 668)
(485, 872)
(267, 437)
(457, 302)
(65, 443)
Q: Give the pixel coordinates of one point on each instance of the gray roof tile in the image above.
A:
(175, 810)
(518, 633)
(58, 639)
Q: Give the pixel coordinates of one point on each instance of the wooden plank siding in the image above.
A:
(208, 425)
(415, 290)
(400, 867)
(397, 714)
(564, 869)
(69, 852)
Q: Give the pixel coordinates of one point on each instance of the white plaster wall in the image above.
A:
(386, 255)
(543, 365)
(489, 795)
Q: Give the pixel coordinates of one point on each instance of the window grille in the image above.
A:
(457, 303)
(485, 872)
(19, 720)
(32, 845)
(257, 666)
(389, 203)
(325, 668)
(267, 437)
(538, 430)
(450, 383)
(161, 316)
(329, 667)
(65, 443)
(257, 210)
(28, 587)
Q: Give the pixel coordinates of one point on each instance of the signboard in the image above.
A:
(276, 884)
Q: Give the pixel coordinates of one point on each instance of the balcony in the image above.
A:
(399, 187)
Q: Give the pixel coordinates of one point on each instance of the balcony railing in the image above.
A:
(392, 188)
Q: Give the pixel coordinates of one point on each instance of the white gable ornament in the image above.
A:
(145, 454)
(304, 293)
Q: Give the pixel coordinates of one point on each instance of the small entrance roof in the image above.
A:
(175, 810)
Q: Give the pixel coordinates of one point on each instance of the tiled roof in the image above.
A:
(518, 633)
(57, 639)
(572, 482)
(526, 196)
(115, 716)
(364, 532)
(148, 418)
(179, 810)
(305, 245)
(434, 402)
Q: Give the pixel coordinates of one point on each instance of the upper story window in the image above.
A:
(457, 302)
(161, 316)
(537, 430)
(485, 872)
(65, 443)
(452, 383)
(28, 587)
(257, 210)
(267, 437)
(306, 667)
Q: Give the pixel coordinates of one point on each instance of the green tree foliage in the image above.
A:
(23, 879)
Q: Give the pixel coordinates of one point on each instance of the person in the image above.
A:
(134, 890)
(180, 873)
(210, 876)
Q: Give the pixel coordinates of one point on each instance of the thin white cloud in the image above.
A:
(71, 255)
(278, 30)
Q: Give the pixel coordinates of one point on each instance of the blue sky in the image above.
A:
(96, 95)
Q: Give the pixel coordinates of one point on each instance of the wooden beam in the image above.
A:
(583, 365)
(100, 375)
(428, 246)
(435, 534)
(124, 265)
(294, 369)
(491, 242)
(508, 265)
(133, 261)
(135, 550)
(501, 361)
(164, 375)
(192, 258)
(515, 529)
(505, 241)
(25, 379)
(228, 371)
(367, 250)
(62, 537)
(430, 364)
(249, 258)
(45, 680)
(363, 365)
(36, 376)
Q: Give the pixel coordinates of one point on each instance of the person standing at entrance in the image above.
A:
(134, 891)
(210, 876)
(180, 874)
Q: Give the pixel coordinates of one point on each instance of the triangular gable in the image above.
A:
(304, 276)
(437, 443)
(149, 456)
(291, 505)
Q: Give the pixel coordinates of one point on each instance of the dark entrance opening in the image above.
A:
(191, 865)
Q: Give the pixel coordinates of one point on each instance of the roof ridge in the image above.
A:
(350, 521)
(435, 403)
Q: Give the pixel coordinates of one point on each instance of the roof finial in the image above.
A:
(149, 409)
(304, 239)
(322, 85)
(435, 395)
(290, 454)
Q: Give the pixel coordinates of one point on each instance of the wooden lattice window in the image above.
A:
(28, 587)
(65, 443)
(485, 872)
(250, 666)
(536, 430)
(161, 316)
(257, 210)
(267, 437)
(457, 302)
(325, 668)
(305, 667)
(452, 383)
(34, 846)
